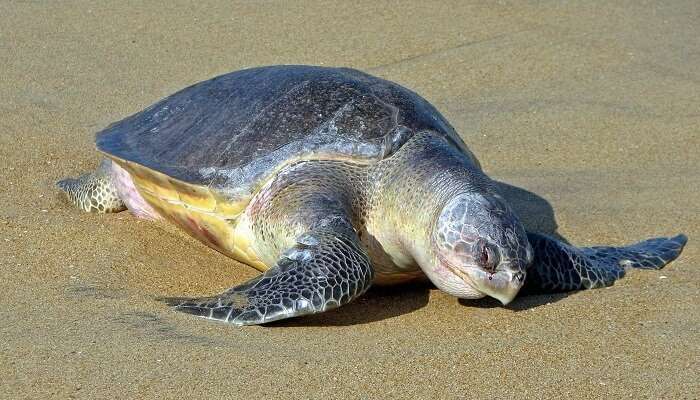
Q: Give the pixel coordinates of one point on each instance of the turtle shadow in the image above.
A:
(379, 303)
(520, 303)
(535, 213)
(386, 302)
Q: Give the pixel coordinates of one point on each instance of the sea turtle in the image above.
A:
(329, 180)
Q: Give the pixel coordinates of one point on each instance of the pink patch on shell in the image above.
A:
(130, 196)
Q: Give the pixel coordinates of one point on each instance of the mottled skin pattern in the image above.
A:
(325, 269)
(343, 180)
(95, 192)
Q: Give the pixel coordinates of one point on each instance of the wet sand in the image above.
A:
(590, 111)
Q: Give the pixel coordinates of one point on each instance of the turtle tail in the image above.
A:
(559, 267)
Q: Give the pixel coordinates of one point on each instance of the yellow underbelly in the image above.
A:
(197, 211)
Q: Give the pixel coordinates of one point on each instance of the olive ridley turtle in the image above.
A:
(328, 180)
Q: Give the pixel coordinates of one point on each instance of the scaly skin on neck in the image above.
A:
(416, 187)
(407, 191)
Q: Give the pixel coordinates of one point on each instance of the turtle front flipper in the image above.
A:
(559, 267)
(324, 270)
(94, 192)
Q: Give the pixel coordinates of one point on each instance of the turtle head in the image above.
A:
(480, 248)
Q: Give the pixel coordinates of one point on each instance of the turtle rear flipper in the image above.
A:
(324, 270)
(559, 267)
(94, 192)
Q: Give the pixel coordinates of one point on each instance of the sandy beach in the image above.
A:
(588, 112)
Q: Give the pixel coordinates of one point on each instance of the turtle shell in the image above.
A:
(199, 155)
(232, 131)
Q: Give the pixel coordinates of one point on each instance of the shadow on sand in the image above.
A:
(535, 213)
(377, 304)
(381, 303)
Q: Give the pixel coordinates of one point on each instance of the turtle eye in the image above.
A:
(486, 256)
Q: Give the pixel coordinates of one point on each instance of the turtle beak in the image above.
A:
(502, 285)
